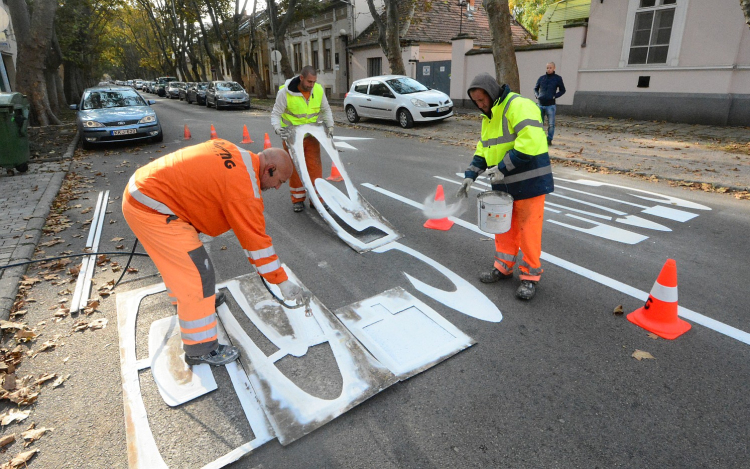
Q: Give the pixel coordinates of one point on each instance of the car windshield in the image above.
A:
(200, 86)
(228, 86)
(406, 85)
(175, 84)
(110, 99)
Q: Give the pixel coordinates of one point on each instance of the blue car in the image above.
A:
(115, 114)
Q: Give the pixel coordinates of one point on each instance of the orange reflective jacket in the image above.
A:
(214, 186)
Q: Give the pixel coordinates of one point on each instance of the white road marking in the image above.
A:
(621, 287)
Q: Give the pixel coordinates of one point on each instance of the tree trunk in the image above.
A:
(389, 32)
(52, 65)
(34, 34)
(278, 28)
(745, 4)
(60, 90)
(503, 51)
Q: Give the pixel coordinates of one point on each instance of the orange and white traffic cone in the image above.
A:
(246, 135)
(187, 133)
(335, 174)
(266, 142)
(659, 314)
(213, 133)
(442, 224)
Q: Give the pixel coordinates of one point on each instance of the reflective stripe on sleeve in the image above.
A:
(528, 175)
(198, 323)
(662, 293)
(146, 200)
(475, 169)
(260, 253)
(248, 160)
(508, 163)
(268, 268)
(498, 141)
(526, 123)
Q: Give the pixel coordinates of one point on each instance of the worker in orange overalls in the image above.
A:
(301, 100)
(207, 188)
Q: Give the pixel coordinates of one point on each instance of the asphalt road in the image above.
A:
(551, 385)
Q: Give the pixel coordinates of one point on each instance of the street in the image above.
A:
(553, 384)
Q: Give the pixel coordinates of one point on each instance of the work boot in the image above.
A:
(493, 276)
(298, 206)
(527, 290)
(221, 356)
(221, 298)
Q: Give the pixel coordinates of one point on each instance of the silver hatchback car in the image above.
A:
(396, 97)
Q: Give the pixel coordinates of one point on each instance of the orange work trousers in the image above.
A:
(174, 247)
(311, 148)
(525, 234)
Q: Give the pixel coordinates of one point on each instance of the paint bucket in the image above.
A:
(494, 209)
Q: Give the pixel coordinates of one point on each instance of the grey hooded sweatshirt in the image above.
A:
(488, 83)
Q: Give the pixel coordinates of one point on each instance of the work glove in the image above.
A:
(329, 132)
(292, 292)
(495, 175)
(284, 132)
(463, 192)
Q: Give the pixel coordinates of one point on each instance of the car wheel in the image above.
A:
(207, 103)
(351, 114)
(216, 105)
(159, 138)
(247, 107)
(86, 145)
(404, 119)
(187, 99)
(22, 168)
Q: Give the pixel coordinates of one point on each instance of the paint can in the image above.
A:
(494, 210)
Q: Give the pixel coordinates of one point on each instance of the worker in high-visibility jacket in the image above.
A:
(513, 151)
(207, 188)
(301, 100)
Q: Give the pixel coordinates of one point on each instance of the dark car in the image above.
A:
(226, 94)
(173, 89)
(115, 114)
(184, 88)
(196, 93)
(161, 85)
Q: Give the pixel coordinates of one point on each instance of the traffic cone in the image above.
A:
(266, 142)
(213, 133)
(246, 135)
(439, 223)
(659, 314)
(335, 174)
(187, 133)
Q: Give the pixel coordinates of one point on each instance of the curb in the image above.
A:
(25, 250)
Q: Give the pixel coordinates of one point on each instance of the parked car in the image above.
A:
(173, 89)
(226, 94)
(161, 85)
(196, 93)
(138, 84)
(115, 114)
(396, 97)
(184, 88)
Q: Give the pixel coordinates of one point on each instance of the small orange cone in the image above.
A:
(266, 142)
(442, 224)
(213, 133)
(335, 174)
(246, 135)
(659, 314)
(187, 133)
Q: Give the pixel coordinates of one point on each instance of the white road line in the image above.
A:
(688, 314)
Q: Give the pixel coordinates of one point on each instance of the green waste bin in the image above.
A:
(14, 137)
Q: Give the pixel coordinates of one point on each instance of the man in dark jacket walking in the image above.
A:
(548, 88)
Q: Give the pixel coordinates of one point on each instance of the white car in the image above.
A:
(396, 97)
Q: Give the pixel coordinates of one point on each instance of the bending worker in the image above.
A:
(513, 151)
(301, 100)
(207, 188)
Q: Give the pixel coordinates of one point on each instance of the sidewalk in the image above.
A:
(25, 201)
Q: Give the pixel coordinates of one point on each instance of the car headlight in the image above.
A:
(147, 119)
(90, 124)
(419, 102)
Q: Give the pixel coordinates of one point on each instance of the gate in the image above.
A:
(436, 75)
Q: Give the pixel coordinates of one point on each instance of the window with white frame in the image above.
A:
(374, 66)
(314, 53)
(652, 32)
(327, 53)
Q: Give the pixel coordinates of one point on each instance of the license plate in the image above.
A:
(238, 100)
(443, 109)
(124, 131)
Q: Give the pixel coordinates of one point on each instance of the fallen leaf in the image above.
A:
(7, 439)
(7, 325)
(24, 396)
(13, 415)
(223, 248)
(20, 460)
(86, 210)
(75, 270)
(651, 335)
(49, 345)
(641, 355)
(80, 326)
(60, 380)
(132, 270)
(25, 336)
(116, 240)
(9, 382)
(44, 378)
(618, 311)
(100, 323)
(33, 435)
